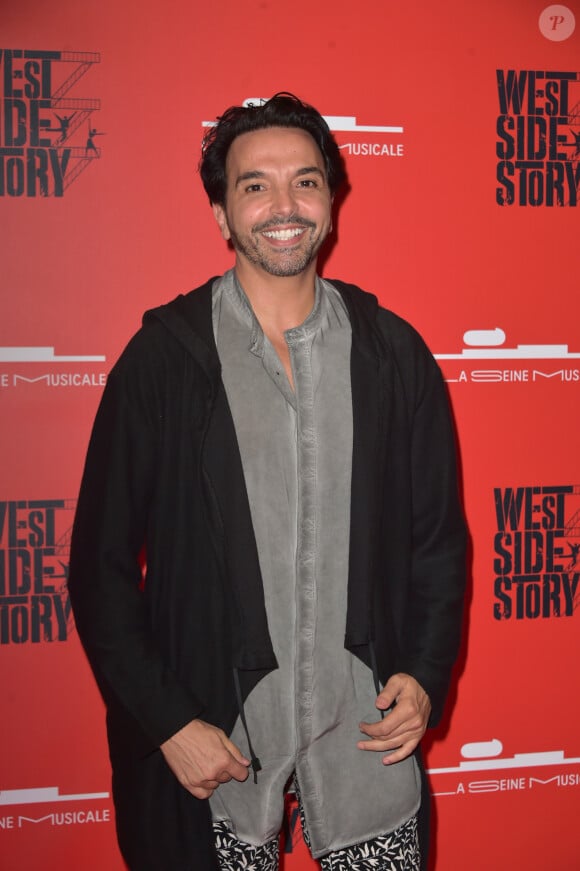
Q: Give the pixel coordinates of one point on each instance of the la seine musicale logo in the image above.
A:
(360, 135)
(536, 552)
(48, 134)
(34, 560)
(538, 138)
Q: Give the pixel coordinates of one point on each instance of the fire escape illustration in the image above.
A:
(78, 112)
(62, 552)
(572, 530)
(574, 122)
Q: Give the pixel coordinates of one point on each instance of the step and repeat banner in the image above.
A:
(460, 127)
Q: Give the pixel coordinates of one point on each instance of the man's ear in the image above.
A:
(219, 214)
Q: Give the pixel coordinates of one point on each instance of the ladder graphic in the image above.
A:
(574, 121)
(85, 60)
(81, 162)
(572, 530)
(574, 115)
(572, 527)
(62, 549)
(81, 110)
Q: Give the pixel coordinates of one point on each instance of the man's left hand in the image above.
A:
(403, 727)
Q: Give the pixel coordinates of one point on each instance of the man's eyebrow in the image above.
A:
(250, 174)
(308, 170)
(257, 174)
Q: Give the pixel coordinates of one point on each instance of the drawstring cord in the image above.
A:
(256, 764)
(375, 670)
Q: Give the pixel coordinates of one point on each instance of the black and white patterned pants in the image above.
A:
(397, 851)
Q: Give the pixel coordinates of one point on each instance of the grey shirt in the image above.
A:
(296, 450)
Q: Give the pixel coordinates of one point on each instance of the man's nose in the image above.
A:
(283, 201)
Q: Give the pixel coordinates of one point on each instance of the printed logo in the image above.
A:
(16, 356)
(536, 552)
(538, 145)
(373, 145)
(557, 23)
(489, 345)
(361, 146)
(48, 136)
(51, 795)
(485, 756)
(34, 559)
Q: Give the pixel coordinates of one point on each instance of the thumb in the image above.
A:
(388, 694)
(236, 752)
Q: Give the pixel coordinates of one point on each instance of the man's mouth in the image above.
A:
(284, 235)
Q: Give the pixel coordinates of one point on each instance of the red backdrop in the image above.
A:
(460, 126)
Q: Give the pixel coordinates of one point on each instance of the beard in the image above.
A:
(282, 262)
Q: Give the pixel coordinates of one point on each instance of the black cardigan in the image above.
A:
(163, 483)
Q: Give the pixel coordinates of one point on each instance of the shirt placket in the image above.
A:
(300, 343)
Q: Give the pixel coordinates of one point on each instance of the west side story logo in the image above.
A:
(48, 137)
(34, 558)
(536, 552)
(538, 144)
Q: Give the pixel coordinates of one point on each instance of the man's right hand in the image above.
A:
(202, 756)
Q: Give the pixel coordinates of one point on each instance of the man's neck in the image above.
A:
(279, 303)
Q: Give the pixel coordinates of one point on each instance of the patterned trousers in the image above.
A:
(397, 851)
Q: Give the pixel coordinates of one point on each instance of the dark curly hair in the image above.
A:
(281, 110)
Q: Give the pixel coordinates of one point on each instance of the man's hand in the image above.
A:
(402, 728)
(202, 756)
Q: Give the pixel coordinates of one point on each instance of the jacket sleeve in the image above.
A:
(434, 609)
(109, 535)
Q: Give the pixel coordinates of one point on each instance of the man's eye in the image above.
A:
(307, 183)
(252, 188)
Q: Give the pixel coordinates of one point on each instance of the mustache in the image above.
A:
(279, 221)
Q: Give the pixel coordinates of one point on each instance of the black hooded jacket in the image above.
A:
(163, 486)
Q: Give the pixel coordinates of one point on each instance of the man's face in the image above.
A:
(277, 211)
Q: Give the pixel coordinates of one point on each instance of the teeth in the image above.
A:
(283, 235)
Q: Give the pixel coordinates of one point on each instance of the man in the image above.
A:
(280, 449)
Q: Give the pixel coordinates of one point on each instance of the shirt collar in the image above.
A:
(245, 313)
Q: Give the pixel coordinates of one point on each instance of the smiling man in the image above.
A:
(280, 446)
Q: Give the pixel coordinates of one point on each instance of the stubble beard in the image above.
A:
(285, 262)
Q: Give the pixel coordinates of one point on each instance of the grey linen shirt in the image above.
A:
(296, 450)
